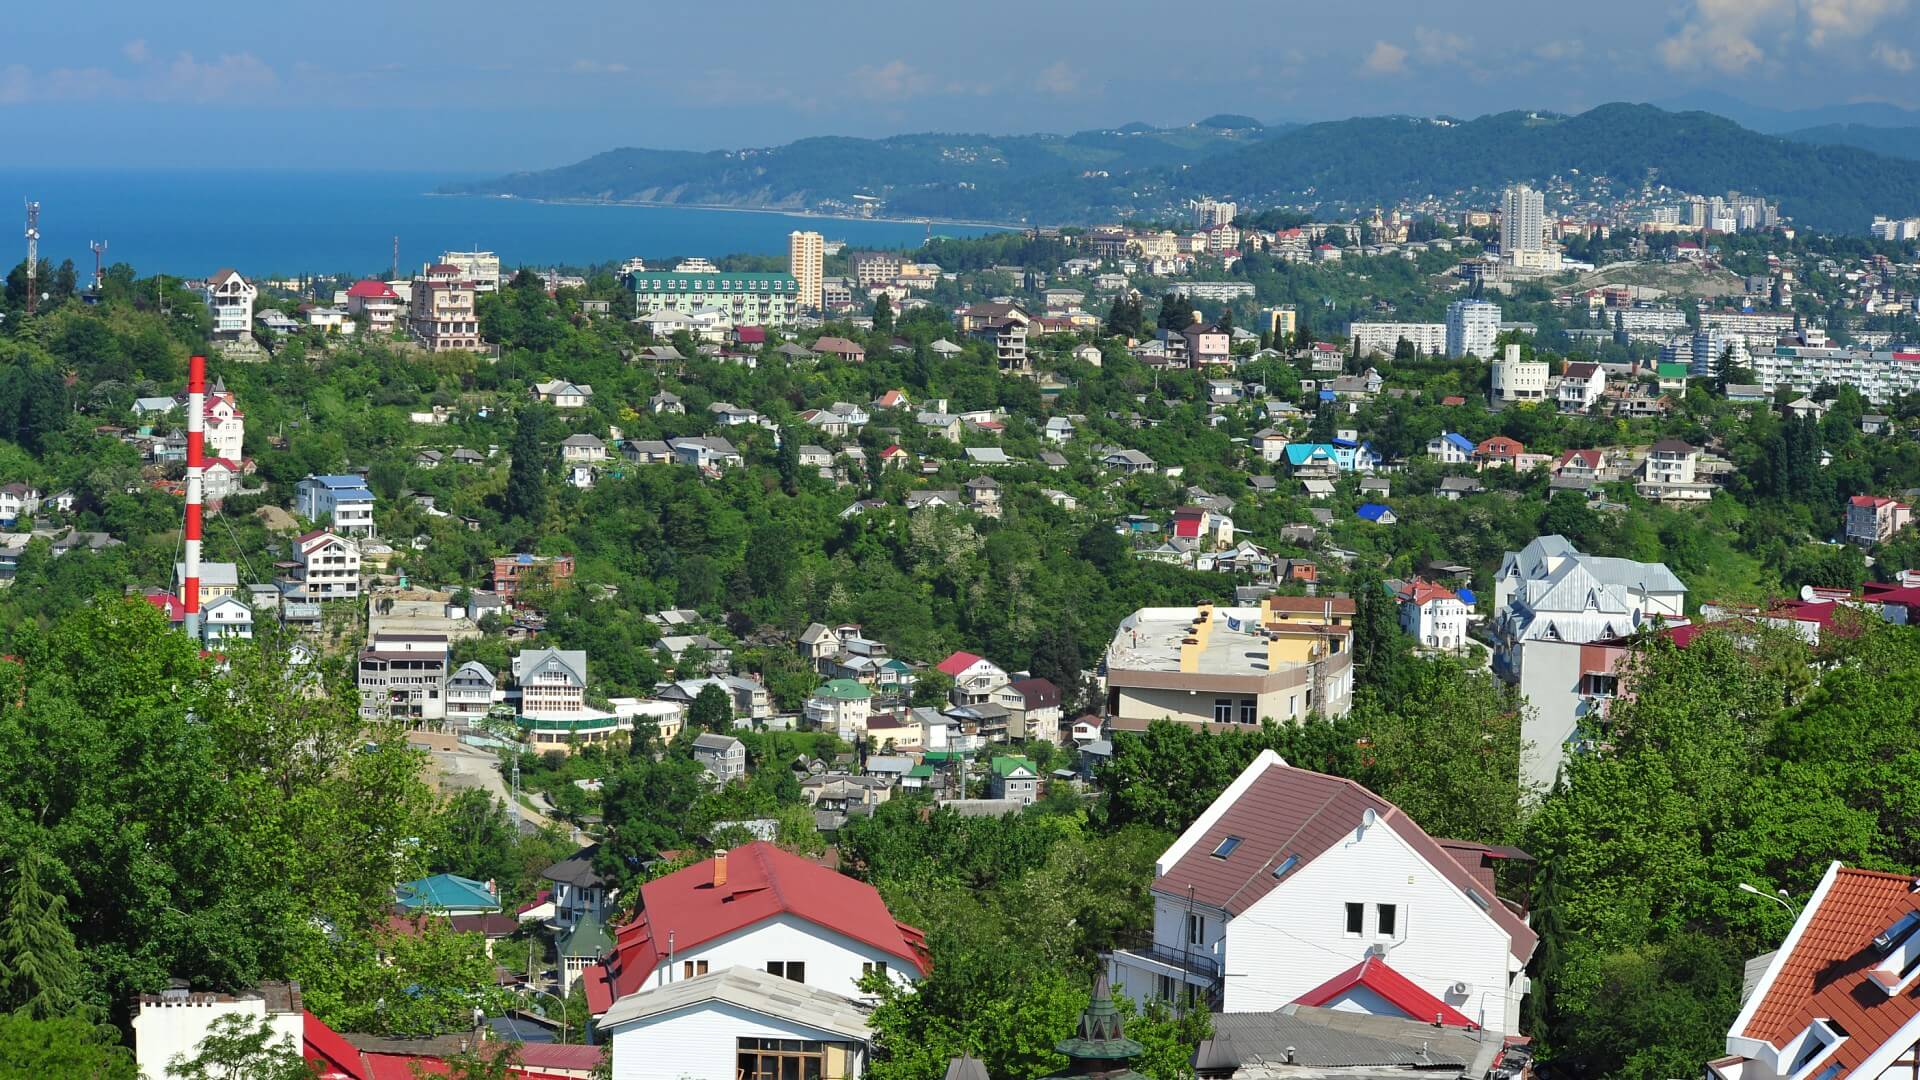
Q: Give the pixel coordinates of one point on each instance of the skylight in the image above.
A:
(1226, 847)
(1286, 864)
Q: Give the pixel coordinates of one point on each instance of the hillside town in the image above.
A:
(1220, 640)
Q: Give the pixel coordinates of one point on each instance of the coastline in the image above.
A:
(1004, 226)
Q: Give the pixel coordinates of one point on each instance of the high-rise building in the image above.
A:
(806, 261)
(1472, 326)
(1208, 213)
(1523, 220)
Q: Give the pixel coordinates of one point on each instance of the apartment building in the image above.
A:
(403, 677)
(511, 571)
(441, 315)
(480, 267)
(806, 261)
(230, 300)
(470, 693)
(874, 267)
(551, 681)
(378, 303)
(341, 501)
(329, 566)
(1384, 338)
(1873, 519)
(742, 299)
(1472, 327)
(1228, 668)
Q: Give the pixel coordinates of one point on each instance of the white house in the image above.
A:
(342, 501)
(975, 679)
(1450, 448)
(470, 693)
(1581, 386)
(563, 395)
(225, 425)
(230, 300)
(841, 706)
(551, 680)
(329, 565)
(1670, 473)
(174, 1023)
(1297, 887)
(226, 617)
(732, 1022)
(582, 449)
(758, 907)
(1432, 615)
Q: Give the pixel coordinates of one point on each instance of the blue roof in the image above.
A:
(1465, 595)
(446, 892)
(1458, 440)
(1301, 453)
(1346, 443)
(339, 481)
(1326, 395)
(1372, 511)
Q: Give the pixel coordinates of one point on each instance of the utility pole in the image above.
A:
(394, 272)
(33, 254)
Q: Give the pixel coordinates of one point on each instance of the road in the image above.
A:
(467, 767)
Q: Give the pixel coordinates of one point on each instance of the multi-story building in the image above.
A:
(1208, 344)
(230, 299)
(225, 424)
(1581, 385)
(404, 677)
(441, 315)
(1003, 326)
(1550, 604)
(552, 681)
(480, 267)
(1523, 220)
(341, 501)
(1210, 213)
(721, 755)
(1873, 519)
(873, 267)
(744, 299)
(378, 302)
(511, 571)
(1298, 888)
(1669, 473)
(1433, 615)
(1281, 322)
(1383, 338)
(470, 693)
(976, 680)
(329, 566)
(1230, 668)
(841, 706)
(1472, 327)
(806, 261)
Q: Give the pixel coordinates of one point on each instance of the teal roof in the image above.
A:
(843, 689)
(548, 722)
(446, 892)
(670, 282)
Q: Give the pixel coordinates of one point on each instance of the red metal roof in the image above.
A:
(762, 882)
(957, 663)
(1287, 811)
(1421, 593)
(1824, 976)
(373, 290)
(1399, 991)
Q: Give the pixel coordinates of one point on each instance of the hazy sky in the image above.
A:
(492, 84)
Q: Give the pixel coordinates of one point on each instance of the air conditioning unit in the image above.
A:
(1460, 989)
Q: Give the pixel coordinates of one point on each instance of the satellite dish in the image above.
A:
(1368, 817)
(1806, 592)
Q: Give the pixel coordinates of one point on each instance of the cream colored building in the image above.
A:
(1514, 379)
(1229, 668)
(806, 261)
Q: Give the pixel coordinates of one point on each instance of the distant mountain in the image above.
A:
(1110, 173)
(1900, 142)
(1381, 159)
(1773, 121)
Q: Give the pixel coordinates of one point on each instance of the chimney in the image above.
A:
(720, 868)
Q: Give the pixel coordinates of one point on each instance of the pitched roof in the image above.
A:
(1396, 989)
(448, 892)
(749, 989)
(1036, 693)
(957, 663)
(1421, 593)
(1824, 968)
(1279, 811)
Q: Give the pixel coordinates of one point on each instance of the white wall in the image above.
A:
(162, 1031)
(1294, 938)
(1550, 682)
(699, 1042)
(833, 961)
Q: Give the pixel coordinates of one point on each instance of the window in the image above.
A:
(1164, 987)
(791, 970)
(1292, 861)
(781, 1059)
(1249, 711)
(1356, 919)
(871, 967)
(1389, 919)
(1226, 847)
(1223, 710)
(690, 968)
(1196, 929)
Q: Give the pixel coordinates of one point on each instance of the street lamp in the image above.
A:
(558, 998)
(1778, 898)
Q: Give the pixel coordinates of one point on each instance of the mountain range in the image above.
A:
(1827, 176)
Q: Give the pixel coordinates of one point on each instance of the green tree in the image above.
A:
(65, 1046)
(645, 805)
(1379, 648)
(39, 962)
(712, 710)
(532, 460)
(422, 979)
(930, 689)
(241, 1048)
(882, 314)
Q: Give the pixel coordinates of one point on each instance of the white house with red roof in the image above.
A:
(378, 301)
(1213, 529)
(226, 425)
(975, 678)
(1297, 887)
(1838, 998)
(756, 907)
(1433, 615)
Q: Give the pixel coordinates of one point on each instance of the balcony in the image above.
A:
(1192, 961)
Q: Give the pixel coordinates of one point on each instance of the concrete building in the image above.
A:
(1433, 615)
(1554, 608)
(230, 300)
(441, 315)
(470, 693)
(510, 572)
(721, 755)
(343, 502)
(1472, 327)
(743, 299)
(175, 1023)
(1383, 338)
(1514, 379)
(871, 268)
(378, 303)
(403, 677)
(1230, 668)
(841, 706)
(1523, 221)
(225, 425)
(551, 681)
(1873, 519)
(480, 267)
(329, 565)
(806, 260)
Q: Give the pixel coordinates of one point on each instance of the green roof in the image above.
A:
(920, 772)
(1004, 767)
(446, 892)
(596, 722)
(670, 282)
(1673, 371)
(946, 755)
(588, 937)
(843, 689)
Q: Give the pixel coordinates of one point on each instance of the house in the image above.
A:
(740, 1018)
(403, 677)
(1451, 448)
(762, 907)
(563, 395)
(1297, 888)
(727, 414)
(1054, 461)
(1668, 474)
(1015, 779)
(1057, 429)
(1581, 385)
(943, 424)
(1207, 344)
(1210, 528)
(448, 894)
(512, 573)
(1033, 707)
(1873, 519)
(225, 618)
(345, 502)
(1498, 450)
(664, 403)
(982, 495)
(1128, 461)
(378, 303)
(217, 579)
(428, 459)
(1581, 465)
(464, 456)
(1551, 603)
(709, 453)
(1377, 513)
(1315, 460)
(1453, 488)
(229, 297)
(1228, 668)
(976, 680)
(18, 500)
(1835, 1000)
(840, 348)
(551, 681)
(470, 693)
(329, 565)
(841, 706)
(1433, 615)
(722, 755)
(892, 399)
(1271, 443)
(1872, 423)
(582, 450)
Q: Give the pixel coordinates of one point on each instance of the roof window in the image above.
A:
(1226, 847)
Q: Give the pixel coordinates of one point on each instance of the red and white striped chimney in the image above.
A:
(196, 465)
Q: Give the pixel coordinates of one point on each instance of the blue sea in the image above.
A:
(285, 223)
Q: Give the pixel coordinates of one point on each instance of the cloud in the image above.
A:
(595, 67)
(1895, 58)
(1059, 77)
(894, 80)
(232, 75)
(1386, 58)
(1439, 46)
(1721, 33)
(1830, 19)
(136, 51)
(1558, 50)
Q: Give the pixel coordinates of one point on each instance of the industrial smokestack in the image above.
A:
(196, 464)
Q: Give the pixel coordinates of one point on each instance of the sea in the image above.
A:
(274, 223)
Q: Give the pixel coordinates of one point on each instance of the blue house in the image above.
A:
(1376, 513)
(448, 894)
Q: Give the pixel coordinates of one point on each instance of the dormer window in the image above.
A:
(1814, 1046)
(1899, 945)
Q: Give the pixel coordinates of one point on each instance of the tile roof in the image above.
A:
(1823, 969)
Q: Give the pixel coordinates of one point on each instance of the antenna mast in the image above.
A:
(99, 252)
(395, 271)
(33, 254)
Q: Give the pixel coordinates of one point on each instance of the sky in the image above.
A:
(483, 86)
